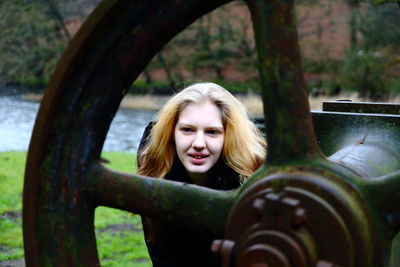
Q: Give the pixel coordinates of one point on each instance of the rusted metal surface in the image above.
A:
(107, 54)
(176, 202)
(318, 219)
(361, 107)
(366, 143)
(336, 225)
(327, 197)
(289, 128)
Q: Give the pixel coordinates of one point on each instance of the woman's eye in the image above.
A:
(213, 132)
(186, 130)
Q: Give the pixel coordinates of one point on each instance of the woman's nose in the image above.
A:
(199, 141)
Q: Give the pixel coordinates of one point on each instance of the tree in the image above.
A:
(29, 44)
(380, 26)
(33, 36)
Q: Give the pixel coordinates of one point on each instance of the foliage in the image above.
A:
(208, 47)
(217, 47)
(119, 235)
(364, 68)
(28, 50)
(327, 65)
(379, 2)
(240, 88)
(34, 35)
(163, 88)
(363, 72)
(156, 87)
(380, 26)
(215, 43)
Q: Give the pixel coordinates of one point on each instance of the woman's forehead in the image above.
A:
(204, 112)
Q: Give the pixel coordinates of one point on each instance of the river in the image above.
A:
(17, 117)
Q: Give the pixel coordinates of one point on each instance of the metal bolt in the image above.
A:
(258, 206)
(300, 216)
(274, 197)
(322, 263)
(286, 209)
(216, 245)
(224, 248)
(274, 201)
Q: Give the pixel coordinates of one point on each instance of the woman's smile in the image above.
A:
(198, 158)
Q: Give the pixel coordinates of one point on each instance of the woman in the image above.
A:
(203, 136)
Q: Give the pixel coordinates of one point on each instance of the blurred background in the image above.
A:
(350, 49)
(347, 46)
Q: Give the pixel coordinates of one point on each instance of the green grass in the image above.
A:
(119, 234)
(11, 173)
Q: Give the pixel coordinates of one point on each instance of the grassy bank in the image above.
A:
(119, 234)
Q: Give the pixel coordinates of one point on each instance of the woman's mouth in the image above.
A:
(198, 158)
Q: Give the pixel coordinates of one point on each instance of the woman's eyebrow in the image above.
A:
(188, 124)
(216, 127)
(184, 124)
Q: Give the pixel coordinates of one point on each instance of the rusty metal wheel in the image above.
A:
(64, 181)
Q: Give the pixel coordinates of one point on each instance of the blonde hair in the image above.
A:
(244, 145)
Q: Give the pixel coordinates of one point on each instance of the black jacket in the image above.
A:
(177, 246)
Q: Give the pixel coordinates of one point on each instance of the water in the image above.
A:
(17, 118)
(127, 129)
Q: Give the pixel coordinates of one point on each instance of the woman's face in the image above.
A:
(199, 137)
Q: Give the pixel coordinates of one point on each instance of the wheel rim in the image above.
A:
(85, 95)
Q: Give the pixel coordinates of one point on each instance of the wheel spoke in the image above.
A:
(290, 132)
(197, 207)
